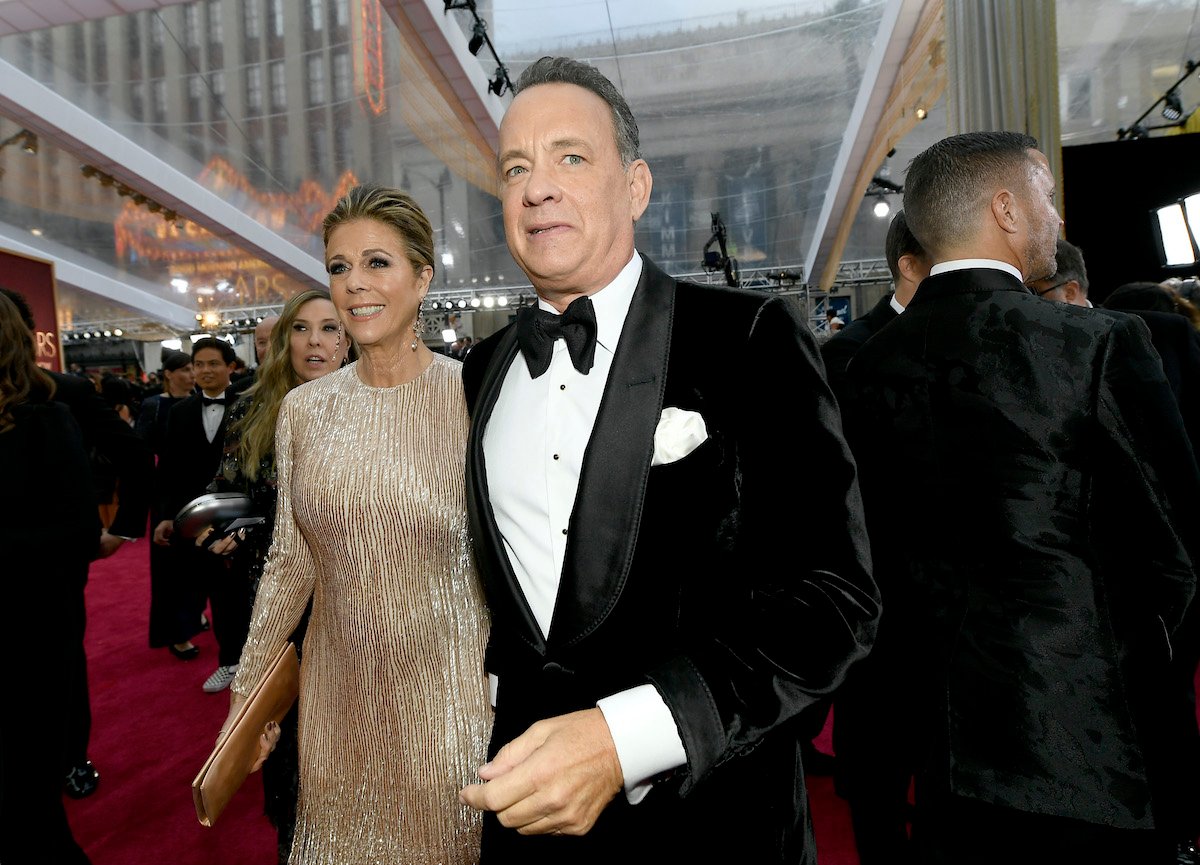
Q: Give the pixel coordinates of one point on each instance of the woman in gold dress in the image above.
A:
(371, 525)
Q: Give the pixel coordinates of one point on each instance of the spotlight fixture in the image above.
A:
(179, 284)
(489, 302)
(922, 113)
(118, 332)
(881, 208)
(478, 35)
(1172, 107)
(462, 304)
(499, 82)
(36, 232)
(474, 303)
(1172, 110)
(502, 301)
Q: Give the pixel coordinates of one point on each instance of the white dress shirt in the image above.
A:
(533, 449)
(212, 414)
(966, 263)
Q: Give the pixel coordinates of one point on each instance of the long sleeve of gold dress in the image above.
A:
(371, 524)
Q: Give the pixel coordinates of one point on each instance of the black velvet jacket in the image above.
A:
(736, 580)
(1023, 464)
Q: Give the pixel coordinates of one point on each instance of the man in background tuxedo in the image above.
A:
(671, 581)
(1045, 471)
(192, 455)
(909, 265)
(1069, 284)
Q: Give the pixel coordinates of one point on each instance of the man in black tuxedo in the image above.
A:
(1069, 283)
(191, 457)
(909, 265)
(1032, 521)
(672, 579)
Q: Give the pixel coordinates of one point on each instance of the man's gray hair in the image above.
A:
(564, 70)
(1069, 258)
(950, 181)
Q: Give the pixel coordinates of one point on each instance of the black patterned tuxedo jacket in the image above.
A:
(736, 580)
(1025, 468)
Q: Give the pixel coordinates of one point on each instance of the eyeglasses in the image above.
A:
(1046, 291)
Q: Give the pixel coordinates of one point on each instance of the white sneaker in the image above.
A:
(220, 679)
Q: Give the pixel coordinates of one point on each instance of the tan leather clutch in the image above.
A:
(232, 759)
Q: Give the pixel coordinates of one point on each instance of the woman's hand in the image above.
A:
(266, 742)
(223, 547)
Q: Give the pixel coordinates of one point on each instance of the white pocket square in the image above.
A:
(679, 432)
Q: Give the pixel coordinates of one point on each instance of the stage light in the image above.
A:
(179, 284)
(118, 332)
(922, 113)
(502, 301)
(87, 335)
(475, 303)
(489, 302)
(223, 285)
(1172, 107)
(448, 335)
(462, 304)
(499, 81)
(31, 144)
(477, 36)
(108, 333)
(881, 208)
(211, 320)
(36, 232)
(1176, 241)
(447, 259)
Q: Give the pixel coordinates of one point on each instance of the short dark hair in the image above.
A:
(1069, 258)
(21, 304)
(564, 70)
(227, 352)
(900, 242)
(947, 183)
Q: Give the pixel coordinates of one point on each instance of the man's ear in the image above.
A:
(1005, 211)
(911, 269)
(1072, 291)
(640, 184)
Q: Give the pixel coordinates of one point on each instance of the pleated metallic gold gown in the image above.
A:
(371, 524)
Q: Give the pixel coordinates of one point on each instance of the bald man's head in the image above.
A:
(262, 338)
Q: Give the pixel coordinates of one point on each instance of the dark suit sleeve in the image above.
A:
(172, 463)
(1146, 503)
(130, 457)
(836, 354)
(810, 606)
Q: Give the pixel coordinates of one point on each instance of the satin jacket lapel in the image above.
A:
(612, 482)
(506, 598)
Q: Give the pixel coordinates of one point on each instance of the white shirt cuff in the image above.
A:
(645, 735)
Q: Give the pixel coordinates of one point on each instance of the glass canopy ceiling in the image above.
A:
(245, 119)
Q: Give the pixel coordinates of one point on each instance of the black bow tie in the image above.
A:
(212, 400)
(537, 330)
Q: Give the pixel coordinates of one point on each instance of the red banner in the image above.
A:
(33, 278)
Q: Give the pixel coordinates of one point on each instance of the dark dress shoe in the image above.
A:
(184, 654)
(82, 781)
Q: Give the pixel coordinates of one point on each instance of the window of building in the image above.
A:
(216, 24)
(252, 18)
(158, 89)
(158, 31)
(316, 79)
(254, 84)
(279, 149)
(133, 37)
(195, 92)
(343, 76)
(318, 149)
(191, 25)
(278, 84)
(341, 13)
(316, 15)
(277, 18)
(99, 51)
(216, 82)
(137, 99)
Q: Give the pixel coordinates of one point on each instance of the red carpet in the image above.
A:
(152, 729)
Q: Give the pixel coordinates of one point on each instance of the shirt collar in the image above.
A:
(965, 263)
(896, 305)
(611, 303)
